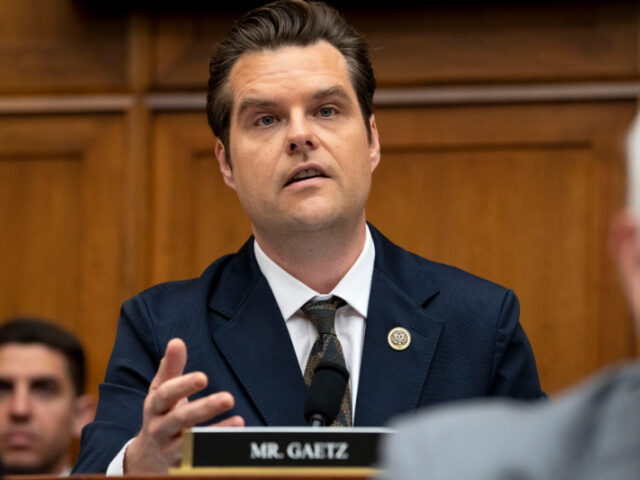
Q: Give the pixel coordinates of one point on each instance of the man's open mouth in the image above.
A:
(305, 175)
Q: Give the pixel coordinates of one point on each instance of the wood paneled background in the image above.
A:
(501, 128)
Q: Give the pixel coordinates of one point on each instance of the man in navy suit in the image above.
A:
(290, 100)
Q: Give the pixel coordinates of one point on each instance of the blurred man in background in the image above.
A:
(592, 432)
(42, 401)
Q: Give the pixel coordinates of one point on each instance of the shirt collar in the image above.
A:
(290, 293)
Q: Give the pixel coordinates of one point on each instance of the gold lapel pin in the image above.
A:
(399, 338)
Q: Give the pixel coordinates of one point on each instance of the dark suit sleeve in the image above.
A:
(131, 368)
(514, 371)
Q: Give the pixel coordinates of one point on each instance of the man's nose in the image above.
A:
(301, 137)
(20, 404)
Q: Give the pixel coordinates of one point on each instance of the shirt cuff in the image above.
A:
(116, 467)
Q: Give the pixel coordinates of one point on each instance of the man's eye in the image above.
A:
(327, 112)
(266, 120)
(46, 388)
(5, 387)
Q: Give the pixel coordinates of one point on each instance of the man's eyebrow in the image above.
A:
(249, 102)
(44, 378)
(335, 91)
(252, 102)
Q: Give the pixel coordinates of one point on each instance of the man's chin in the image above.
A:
(318, 219)
(21, 470)
(25, 465)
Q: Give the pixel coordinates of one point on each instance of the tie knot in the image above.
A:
(323, 313)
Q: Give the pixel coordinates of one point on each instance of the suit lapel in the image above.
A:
(249, 331)
(255, 342)
(391, 381)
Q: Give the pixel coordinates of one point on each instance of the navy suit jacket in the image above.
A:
(466, 341)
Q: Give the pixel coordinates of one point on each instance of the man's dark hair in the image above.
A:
(287, 23)
(34, 330)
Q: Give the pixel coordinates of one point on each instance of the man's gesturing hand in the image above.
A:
(167, 412)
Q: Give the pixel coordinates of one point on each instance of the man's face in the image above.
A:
(298, 143)
(36, 408)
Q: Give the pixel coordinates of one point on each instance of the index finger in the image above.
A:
(172, 364)
(167, 395)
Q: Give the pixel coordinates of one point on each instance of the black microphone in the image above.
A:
(325, 394)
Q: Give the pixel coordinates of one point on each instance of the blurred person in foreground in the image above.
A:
(42, 401)
(591, 432)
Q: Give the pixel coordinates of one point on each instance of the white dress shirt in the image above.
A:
(354, 288)
(290, 294)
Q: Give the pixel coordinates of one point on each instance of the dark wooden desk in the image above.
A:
(230, 474)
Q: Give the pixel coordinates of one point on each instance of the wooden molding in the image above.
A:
(447, 95)
(384, 97)
(66, 104)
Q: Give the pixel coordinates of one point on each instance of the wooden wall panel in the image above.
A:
(517, 42)
(57, 46)
(414, 46)
(196, 217)
(182, 47)
(521, 199)
(62, 215)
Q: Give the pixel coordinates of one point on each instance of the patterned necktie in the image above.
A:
(327, 348)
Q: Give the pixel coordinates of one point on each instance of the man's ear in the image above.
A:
(374, 143)
(223, 163)
(84, 409)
